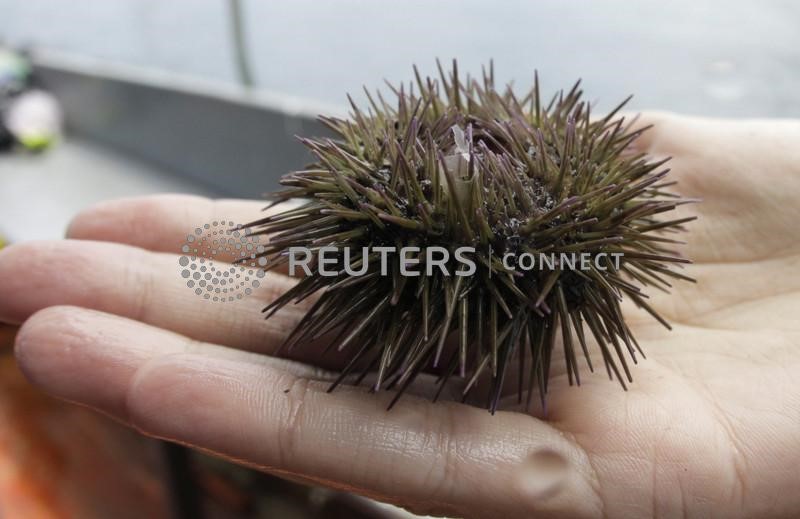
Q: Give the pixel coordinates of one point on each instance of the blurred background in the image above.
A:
(128, 97)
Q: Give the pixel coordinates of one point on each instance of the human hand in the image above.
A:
(710, 426)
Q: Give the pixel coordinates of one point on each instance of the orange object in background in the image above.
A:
(61, 461)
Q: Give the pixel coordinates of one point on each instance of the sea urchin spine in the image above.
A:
(460, 164)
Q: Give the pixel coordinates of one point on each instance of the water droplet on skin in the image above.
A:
(543, 473)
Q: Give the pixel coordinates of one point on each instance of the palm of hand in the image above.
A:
(712, 424)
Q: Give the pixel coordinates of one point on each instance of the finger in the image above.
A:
(651, 125)
(161, 222)
(140, 285)
(88, 341)
(747, 173)
(721, 292)
(443, 458)
(147, 287)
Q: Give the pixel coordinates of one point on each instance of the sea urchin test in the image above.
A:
(494, 179)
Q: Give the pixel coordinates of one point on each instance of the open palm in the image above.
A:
(710, 426)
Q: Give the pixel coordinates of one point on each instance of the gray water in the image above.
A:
(729, 58)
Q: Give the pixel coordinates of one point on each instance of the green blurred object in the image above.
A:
(36, 142)
(15, 71)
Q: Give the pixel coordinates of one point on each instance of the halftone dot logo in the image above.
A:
(207, 260)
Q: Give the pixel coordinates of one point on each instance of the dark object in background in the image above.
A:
(6, 139)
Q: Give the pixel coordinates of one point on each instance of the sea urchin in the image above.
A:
(506, 179)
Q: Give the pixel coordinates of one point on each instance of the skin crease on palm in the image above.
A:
(710, 427)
